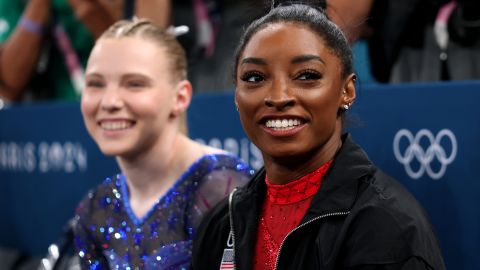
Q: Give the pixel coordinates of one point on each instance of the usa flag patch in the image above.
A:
(227, 260)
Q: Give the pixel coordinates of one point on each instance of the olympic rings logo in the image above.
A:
(425, 157)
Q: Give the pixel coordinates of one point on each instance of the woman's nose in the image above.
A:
(111, 99)
(279, 96)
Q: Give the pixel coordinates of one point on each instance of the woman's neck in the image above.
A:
(283, 170)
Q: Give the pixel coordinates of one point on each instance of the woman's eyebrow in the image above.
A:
(254, 60)
(135, 74)
(93, 74)
(305, 58)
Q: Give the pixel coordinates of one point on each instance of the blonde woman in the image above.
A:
(133, 104)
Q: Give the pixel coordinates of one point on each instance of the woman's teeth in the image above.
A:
(283, 124)
(115, 125)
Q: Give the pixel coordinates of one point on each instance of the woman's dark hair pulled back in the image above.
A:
(314, 17)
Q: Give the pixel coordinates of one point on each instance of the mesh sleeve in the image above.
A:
(86, 247)
(214, 187)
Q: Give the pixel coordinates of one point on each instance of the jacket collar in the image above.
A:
(340, 185)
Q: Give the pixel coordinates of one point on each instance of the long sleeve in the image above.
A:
(214, 186)
(86, 247)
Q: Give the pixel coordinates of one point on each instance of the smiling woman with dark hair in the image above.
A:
(319, 203)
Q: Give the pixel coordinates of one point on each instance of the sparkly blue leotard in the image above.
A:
(108, 235)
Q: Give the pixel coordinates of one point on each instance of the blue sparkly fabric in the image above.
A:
(108, 235)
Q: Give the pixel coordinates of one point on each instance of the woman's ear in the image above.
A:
(348, 92)
(183, 96)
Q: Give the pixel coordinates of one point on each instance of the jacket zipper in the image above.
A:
(303, 225)
(231, 236)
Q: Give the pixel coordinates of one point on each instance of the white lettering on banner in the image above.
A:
(67, 157)
(242, 148)
(435, 150)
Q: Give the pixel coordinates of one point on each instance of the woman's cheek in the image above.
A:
(88, 105)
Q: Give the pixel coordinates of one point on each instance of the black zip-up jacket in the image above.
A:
(360, 218)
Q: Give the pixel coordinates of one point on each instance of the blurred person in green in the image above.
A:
(44, 44)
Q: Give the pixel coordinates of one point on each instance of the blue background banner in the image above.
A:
(425, 135)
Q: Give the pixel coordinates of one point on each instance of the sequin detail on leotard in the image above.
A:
(109, 236)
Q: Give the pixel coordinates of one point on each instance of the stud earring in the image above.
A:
(345, 107)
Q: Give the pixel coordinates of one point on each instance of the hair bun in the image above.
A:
(317, 4)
